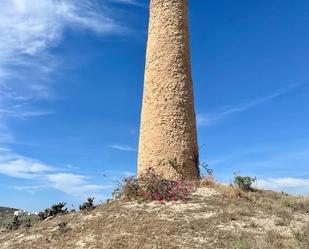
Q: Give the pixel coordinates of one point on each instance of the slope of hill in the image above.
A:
(218, 217)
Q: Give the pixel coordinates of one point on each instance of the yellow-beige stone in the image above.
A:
(168, 137)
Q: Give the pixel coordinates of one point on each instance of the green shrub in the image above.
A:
(88, 205)
(62, 225)
(53, 211)
(244, 182)
(150, 186)
(14, 224)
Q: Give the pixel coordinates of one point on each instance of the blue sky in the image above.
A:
(71, 78)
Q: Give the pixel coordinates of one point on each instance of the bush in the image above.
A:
(150, 186)
(62, 225)
(53, 211)
(14, 224)
(244, 182)
(88, 205)
(28, 223)
(62, 228)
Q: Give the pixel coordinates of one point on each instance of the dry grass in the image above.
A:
(215, 216)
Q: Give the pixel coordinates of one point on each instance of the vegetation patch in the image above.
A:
(244, 182)
(151, 186)
(53, 211)
(213, 216)
(88, 205)
(14, 224)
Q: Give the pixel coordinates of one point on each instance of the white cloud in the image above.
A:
(23, 168)
(5, 135)
(74, 185)
(20, 112)
(30, 189)
(116, 175)
(277, 168)
(45, 176)
(122, 147)
(291, 185)
(14, 165)
(125, 1)
(132, 2)
(214, 118)
(28, 30)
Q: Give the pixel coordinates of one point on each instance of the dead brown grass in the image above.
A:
(215, 216)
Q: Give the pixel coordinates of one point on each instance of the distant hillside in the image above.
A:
(213, 217)
(5, 211)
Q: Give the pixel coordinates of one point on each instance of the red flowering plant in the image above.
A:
(151, 186)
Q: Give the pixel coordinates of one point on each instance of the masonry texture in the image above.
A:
(168, 139)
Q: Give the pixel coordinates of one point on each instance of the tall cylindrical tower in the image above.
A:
(168, 137)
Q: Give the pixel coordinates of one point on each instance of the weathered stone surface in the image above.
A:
(168, 123)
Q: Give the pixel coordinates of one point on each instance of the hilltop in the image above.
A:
(213, 217)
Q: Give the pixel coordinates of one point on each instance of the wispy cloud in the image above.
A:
(28, 31)
(6, 135)
(131, 2)
(276, 168)
(17, 112)
(214, 118)
(116, 175)
(23, 168)
(45, 176)
(299, 186)
(122, 147)
(14, 165)
(20, 112)
(74, 185)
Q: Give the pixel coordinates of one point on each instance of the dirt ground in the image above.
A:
(213, 217)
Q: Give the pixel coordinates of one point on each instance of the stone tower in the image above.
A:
(168, 138)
